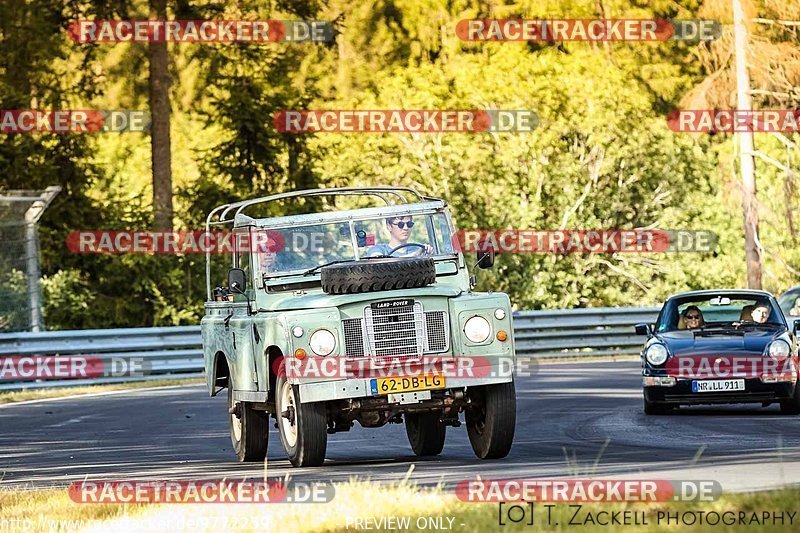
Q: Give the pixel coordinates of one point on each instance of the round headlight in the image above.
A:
(499, 314)
(322, 342)
(779, 348)
(477, 329)
(297, 331)
(656, 354)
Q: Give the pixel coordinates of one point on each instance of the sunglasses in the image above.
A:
(402, 225)
(692, 317)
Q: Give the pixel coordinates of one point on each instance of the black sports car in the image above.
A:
(720, 346)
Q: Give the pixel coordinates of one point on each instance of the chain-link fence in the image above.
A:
(20, 292)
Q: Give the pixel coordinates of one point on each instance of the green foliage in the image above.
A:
(68, 298)
(601, 158)
(595, 162)
(14, 309)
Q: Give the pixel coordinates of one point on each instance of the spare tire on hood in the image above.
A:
(379, 274)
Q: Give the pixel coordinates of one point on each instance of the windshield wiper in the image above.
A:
(717, 330)
(313, 270)
(758, 325)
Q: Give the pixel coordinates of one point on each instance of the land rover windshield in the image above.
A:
(299, 249)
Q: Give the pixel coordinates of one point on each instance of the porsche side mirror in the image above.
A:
(646, 329)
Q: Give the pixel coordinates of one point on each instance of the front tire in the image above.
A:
(651, 408)
(249, 429)
(792, 405)
(492, 419)
(302, 426)
(426, 433)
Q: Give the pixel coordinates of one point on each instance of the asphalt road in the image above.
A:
(578, 418)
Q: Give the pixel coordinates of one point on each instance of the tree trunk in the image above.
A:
(747, 163)
(788, 192)
(159, 132)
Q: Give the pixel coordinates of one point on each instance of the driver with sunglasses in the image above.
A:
(399, 233)
(692, 318)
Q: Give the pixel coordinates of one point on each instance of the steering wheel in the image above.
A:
(406, 245)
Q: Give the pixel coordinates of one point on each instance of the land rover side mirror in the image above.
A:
(644, 329)
(486, 259)
(237, 282)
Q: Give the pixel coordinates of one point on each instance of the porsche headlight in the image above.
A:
(779, 348)
(322, 342)
(477, 329)
(656, 354)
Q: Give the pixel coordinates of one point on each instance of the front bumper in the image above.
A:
(755, 391)
(360, 387)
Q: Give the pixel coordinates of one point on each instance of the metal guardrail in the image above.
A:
(580, 332)
(177, 351)
(167, 352)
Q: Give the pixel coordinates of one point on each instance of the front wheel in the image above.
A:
(792, 405)
(302, 426)
(651, 408)
(426, 433)
(249, 429)
(491, 419)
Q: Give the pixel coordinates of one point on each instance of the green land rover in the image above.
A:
(380, 283)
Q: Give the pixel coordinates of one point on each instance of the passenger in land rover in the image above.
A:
(399, 229)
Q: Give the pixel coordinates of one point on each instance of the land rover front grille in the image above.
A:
(353, 337)
(436, 326)
(403, 332)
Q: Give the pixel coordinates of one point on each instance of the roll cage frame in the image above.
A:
(232, 214)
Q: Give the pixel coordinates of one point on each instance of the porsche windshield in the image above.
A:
(302, 248)
(734, 311)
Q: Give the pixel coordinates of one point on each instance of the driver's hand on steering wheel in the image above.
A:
(421, 250)
(418, 249)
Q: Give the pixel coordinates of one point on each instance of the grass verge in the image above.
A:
(53, 510)
(60, 392)
(361, 505)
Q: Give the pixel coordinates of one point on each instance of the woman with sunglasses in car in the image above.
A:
(399, 232)
(691, 318)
